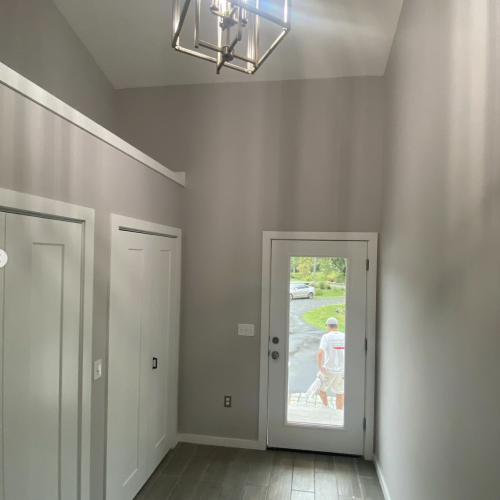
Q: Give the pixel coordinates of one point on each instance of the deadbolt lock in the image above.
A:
(276, 340)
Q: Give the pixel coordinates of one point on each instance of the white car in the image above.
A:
(301, 291)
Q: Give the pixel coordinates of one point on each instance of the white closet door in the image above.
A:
(129, 365)
(138, 390)
(41, 357)
(161, 326)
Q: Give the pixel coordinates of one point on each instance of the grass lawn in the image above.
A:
(317, 317)
(334, 292)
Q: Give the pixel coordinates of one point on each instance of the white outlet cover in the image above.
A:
(246, 330)
(3, 258)
(97, 369)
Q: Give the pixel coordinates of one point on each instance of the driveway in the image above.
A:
(304, 342)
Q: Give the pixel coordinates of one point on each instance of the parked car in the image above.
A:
(301, 291)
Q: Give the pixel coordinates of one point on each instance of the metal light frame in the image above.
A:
(230, 13)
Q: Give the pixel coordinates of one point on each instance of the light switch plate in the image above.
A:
(246, 330)
(97, 369)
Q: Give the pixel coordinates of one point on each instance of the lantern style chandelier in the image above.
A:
(235, 20)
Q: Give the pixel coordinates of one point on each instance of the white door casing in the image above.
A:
(45, 332)
(143, 324)
(269, 238)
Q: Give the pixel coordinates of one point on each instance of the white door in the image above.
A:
(140, 327)
(41, 357)
(297, 328)
(162, 323)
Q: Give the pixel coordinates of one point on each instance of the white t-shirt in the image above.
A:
(333, 345)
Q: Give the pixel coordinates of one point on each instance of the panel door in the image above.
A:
(41, 357)
(129, 365)
(138, 387)
(162, 416)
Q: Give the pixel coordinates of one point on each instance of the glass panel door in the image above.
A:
(317, 338)
(316, 343)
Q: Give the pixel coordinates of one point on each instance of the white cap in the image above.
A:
(332, 322)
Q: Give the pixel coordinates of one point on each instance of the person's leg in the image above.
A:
(338, 388)
(324, 397)
(340, 401)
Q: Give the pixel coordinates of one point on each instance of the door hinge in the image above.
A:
(366, 345)
(364, 424)
(367, 264)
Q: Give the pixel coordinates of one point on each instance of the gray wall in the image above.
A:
(297, 156)
(302, 156)
(439, 374)
(37, 42)
(44, 155)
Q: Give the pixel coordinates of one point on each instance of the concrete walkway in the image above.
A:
(313, 412)
(304, 342)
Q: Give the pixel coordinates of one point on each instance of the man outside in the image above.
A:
(331, 363)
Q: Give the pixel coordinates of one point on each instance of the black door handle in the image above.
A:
(155, 363)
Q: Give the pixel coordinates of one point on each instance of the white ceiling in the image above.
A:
(130, 41)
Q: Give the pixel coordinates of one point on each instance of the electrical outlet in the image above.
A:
(227, 401)
(246, 330)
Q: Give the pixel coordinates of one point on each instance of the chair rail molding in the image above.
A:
(18, 83)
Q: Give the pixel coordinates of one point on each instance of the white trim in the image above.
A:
(264, 336)
(26, 203)
(220, 441)
(371, 304)
(28, 89)
(121, 221)
(371, 336)
(381, 479)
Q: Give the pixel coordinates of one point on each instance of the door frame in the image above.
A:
(371, 325)
(120, 223)
(30, 205)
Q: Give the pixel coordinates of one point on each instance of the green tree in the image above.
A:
(294, 262)
(339, 265)
(305, 266)
(325, 267)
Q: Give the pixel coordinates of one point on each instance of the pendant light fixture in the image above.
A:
(234, 20)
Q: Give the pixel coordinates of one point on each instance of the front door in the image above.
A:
(317, 371)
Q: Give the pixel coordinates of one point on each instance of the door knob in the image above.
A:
(275, 355)
(276, 340)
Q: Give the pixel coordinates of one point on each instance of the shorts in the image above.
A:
(332, 381)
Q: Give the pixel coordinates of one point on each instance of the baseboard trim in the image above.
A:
(220, 441)
(381, 479)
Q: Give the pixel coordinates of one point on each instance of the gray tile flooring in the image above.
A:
(196, 472)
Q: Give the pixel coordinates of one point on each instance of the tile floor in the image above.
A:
(196, 472)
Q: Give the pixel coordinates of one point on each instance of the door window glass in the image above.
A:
(317, 341)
